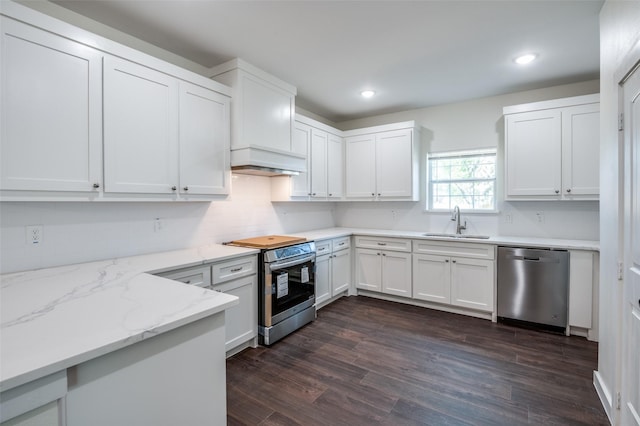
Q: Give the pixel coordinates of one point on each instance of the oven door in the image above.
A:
(289, 288)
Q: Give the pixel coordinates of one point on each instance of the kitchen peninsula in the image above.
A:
(73, 334)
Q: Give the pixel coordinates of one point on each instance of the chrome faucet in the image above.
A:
(456, 218)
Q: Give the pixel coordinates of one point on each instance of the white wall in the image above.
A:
(476, 123)
(619, 32)
(81, 232)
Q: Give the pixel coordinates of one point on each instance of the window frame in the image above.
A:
(460, 154)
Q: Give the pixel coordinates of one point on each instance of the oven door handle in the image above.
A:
(281, 265)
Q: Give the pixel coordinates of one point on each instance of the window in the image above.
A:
(466, 179)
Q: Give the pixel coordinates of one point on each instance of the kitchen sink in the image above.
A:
(466, 236)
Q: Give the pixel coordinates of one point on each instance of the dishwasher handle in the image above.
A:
(540, 259)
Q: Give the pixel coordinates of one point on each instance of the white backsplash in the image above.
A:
(83, 231)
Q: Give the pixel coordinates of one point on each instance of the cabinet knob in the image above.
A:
(638, 302)
(378, 254)
(384, 254)
(453, 261)
(330, 194)
(568, 189)
(96, 185)
(373, 194)
(557, 191)
(314, 194)
(173, 188)
(186, 188)
(446, 261)
(379, 194)
(188, 282)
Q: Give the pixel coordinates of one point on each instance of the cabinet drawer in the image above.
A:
(381, 243)
(340, 243)
(234, 268)
(323, 247)
(199, 276)
(442, 248)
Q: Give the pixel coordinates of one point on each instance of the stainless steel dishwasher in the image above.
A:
(533, 285)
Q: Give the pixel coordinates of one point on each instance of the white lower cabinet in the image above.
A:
(386, 271)
(241, 320)
(440, 276)
(333, 269)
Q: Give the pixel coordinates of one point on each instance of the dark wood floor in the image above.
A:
(366, 361)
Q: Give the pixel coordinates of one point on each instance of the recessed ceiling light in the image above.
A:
(525, 59)
(367, 93)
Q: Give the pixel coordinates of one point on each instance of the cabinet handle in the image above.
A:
(186, 188)
(341, 244)
(309, 194)
(173, 188)
(446, 261)
(568, 189)
(382, 244)
(453, 261)
(96, 185)
(557, 191)
(236, 269)
(384, 254)
(314, 194)
(187, 282)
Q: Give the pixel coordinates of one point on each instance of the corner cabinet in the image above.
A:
(323, 147)
(383, 265)
(87, 119)
(552, 149)
(382, 163)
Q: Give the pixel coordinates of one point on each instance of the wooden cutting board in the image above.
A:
(268, 241)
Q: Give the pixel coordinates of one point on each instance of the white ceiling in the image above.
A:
(413, 53)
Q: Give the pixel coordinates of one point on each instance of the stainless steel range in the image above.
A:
(286, 285)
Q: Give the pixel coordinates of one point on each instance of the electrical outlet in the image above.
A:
(34, 234)
(540, 216)
(508, 218)
(157, 225)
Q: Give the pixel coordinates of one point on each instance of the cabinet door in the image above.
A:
(581, 150)
(301, 143)
(340, 271)
(335, 167)
(432, 278)
(204, 141)
(369, 269)
(396, 273)
(360, 166)
(394, 164)
(322, 277)
(241, 320)
(140, 129)
(580, 288)
(319, 141)
(472, 283)
(51, 111)
(533, 153)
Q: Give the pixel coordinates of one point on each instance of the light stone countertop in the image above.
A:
(556, 243)
(55, 318)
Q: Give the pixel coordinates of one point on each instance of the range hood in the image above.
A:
(263, 161)
(262, 171)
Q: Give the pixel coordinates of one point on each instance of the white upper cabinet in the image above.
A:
(51, 111)
(262, 117)
(323, 148)
(85, 118)
(301, 144)
(382, 162)
(204, 141)
(140, 129)
(552, 149)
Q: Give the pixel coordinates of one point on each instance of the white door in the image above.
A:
(51, 111)
(360, 166)
(335, 167)
(581, 150)
(300, 144)
(369, 269)
(396, 273)
(319, 141)
(140, 129)
(340, 271)
(631, 303)
(394, 164)
(432, 278)
(533, 153)
(204, 141)
(322, 277)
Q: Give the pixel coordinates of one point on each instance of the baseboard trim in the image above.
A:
(606, 398)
